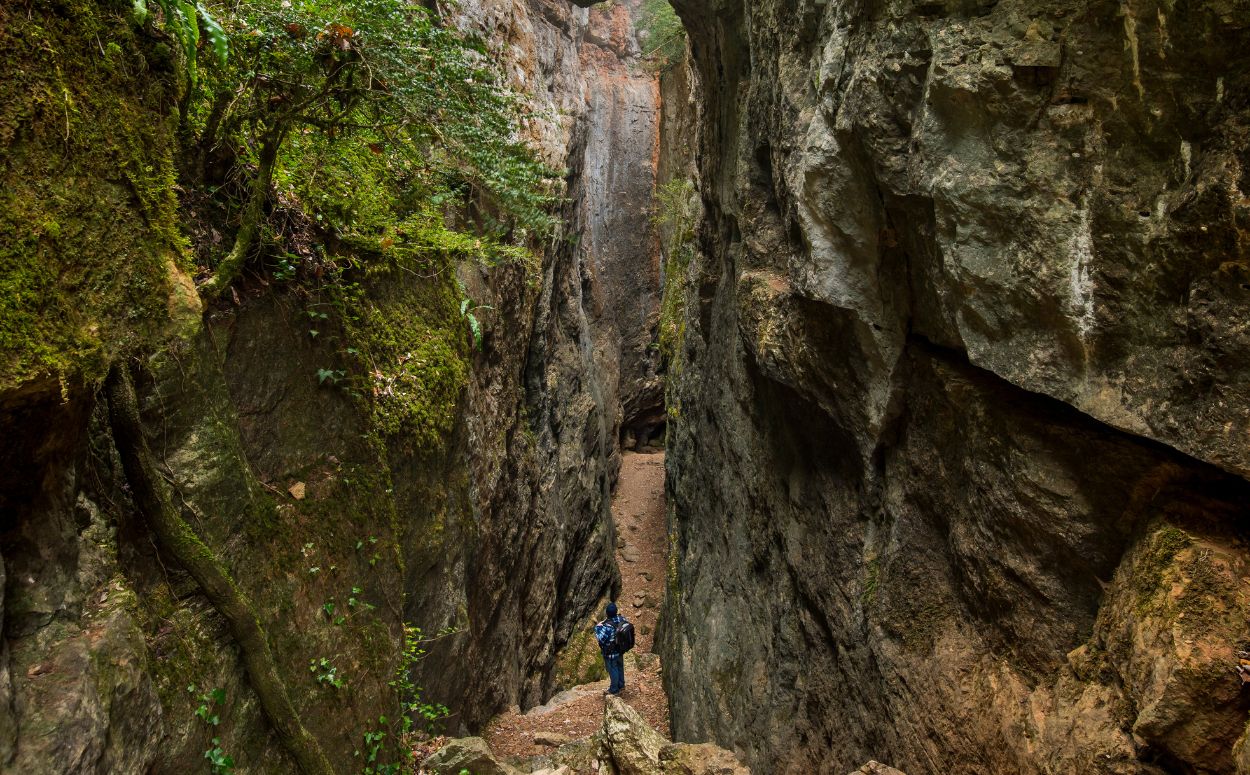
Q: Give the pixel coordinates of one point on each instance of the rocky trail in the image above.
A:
(577, 713)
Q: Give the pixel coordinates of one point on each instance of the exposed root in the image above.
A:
(176, 538)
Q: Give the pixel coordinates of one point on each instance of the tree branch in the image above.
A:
(253, 215)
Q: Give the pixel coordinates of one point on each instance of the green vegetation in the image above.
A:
(90, 253)
(325, 673)
(219, 762)
(371, 119)
(677, 213)
(355, 154)
(183, 20)
(375, 755)
(579, 662)
(1162, 548)
(872, 579)
(662, 34)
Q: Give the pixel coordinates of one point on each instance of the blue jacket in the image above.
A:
(605, 633)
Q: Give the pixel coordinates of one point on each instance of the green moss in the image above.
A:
(921, 625)
(676, 215)
(413, 344)
(676, 218)
(88, 217)
(872, 575)
(1162, 547)
(579, 662)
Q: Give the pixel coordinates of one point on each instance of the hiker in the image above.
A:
(615, 636)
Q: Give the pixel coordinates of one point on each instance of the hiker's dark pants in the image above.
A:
(616, 671)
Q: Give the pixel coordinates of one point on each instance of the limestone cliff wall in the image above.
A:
(338, 529)
(958, 479)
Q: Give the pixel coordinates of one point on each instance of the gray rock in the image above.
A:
(701, 759)
(877, 768)
(553, 739)
(635, 746)
(962, 334)
(469, 753)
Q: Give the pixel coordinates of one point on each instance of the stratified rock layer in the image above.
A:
(957, 478)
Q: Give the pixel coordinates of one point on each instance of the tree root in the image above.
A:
(249, 229)
(176, 538)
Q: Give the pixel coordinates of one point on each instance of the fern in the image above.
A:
(183, 20)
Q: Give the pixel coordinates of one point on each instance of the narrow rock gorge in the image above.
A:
(325, 326)
(356, 462)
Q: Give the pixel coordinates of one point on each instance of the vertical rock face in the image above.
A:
(339, 531)
(620, 240)
(958, 480)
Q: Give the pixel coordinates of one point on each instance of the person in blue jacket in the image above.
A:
(613, 660)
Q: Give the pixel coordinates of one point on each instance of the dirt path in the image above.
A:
(638, 511)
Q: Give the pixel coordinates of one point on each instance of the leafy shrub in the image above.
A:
(662, 35)
(373, 118)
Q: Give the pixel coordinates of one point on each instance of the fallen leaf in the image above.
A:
(297, 491)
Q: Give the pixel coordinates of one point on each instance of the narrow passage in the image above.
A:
(638, 511)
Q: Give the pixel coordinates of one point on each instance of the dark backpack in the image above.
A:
(624, 637)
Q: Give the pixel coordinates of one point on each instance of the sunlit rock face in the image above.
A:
(958, 478)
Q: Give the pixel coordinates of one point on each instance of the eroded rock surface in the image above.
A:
(957, 477)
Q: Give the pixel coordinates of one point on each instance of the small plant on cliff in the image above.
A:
(372, 116)
(416, 710)
(414, 704)
(661, 34)
(207, 712)
(467, 311)
(326, 673)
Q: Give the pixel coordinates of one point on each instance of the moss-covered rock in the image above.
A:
(579, 661)
(90, 254)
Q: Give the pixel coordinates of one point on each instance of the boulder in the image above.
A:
(701, 759)
(553, 739)
(635, 746)
(467, 753)
(877, 768)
